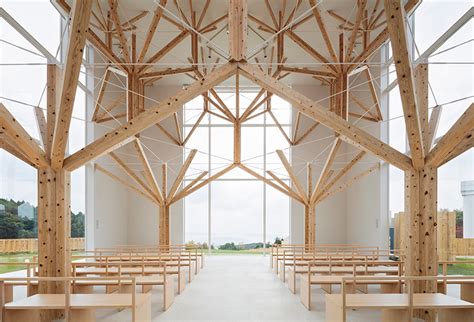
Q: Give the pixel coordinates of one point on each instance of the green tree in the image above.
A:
(228, 246)
(77, 225)
(10, 226)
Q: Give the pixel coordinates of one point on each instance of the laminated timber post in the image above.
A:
(164, 216)
(237, 29)
(54, 193)
(171, 196)
(421, 181)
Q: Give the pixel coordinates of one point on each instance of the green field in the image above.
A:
(460, 269)
(14, 258)
(18, 258)
(258, 251)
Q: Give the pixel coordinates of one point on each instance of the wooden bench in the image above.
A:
(155, 253)
(81, 307)
(396, 307)
(83, 269)
(77, 307)
(281, 262)
(399, 307)
(172, 261)
(195, 251)
(342, 268)
(327, 281)
(85, 286)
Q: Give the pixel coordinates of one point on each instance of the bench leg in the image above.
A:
(327, 288)
(467, 292)
(282, 273)
(32, 289)
(292, 281)
(111, 288)
(364, 288)
(275, 265)
(192, 270)
(395, 315)
(8, 293)
(351, 288)
(305, 292)
(449, 315)
(83, 289)
(168, 292)
(334, 312)
(440, 288)
(198, 264)
(22, 315)
(142, 312)
(181, 281)
(82, 315)
(146, 288)
(390, 288)
(125, 288)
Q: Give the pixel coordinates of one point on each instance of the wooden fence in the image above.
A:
(448, 245)
(30, 245)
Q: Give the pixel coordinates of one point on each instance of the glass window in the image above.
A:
(237, 204)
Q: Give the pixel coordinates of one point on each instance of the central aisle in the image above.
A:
(238, 288)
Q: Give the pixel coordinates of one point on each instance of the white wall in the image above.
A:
(357, 215)
(106, 199)
(330, 214)
(367, 217)
(118, 215)
(143, 215)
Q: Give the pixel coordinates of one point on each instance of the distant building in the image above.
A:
(2, 209)
(26, 210)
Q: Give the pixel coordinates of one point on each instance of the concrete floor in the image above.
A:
(241, 288)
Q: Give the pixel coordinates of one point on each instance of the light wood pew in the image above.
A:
(327, 281)
(341, 267)
(298, 259)
(193, 253)
(398, 307)
(142, 269)
(305, 252)
(197, 252)
(173, 260)
(77, 307)
(467, 285)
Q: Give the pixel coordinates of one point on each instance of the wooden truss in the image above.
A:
(115, 38)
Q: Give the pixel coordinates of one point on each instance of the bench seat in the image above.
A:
(327, 281)
(82, 306)
(86, 286)
(395, 307)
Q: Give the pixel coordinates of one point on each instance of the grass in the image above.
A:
(14, 258)
(460, 269)
(17, 258)
(257, 251)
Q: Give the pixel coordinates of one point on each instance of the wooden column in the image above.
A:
(237, 29)
(237, 141)
(420, 229)
(134, 100)
(310, 225)
(164, 225)
(54, 230)
(164, 215)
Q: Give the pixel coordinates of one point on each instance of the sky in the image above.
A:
(244, 224)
